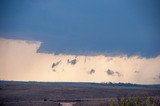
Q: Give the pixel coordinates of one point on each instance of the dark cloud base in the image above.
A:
(85, 27)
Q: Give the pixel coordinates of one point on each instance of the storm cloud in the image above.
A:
(72, 62)
(92, 71)
(113, 73)
(55, 64)
(118, 74)
(136, 72)
(110, 72)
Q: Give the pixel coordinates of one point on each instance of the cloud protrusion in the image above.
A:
(136, 72)
(54, 70)
(72, 62)
(157, 77)
(110, 72)
(92, 71)
(118, 74)
(55, 64)
(113, 73)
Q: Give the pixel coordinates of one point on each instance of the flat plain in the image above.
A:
(13, 93)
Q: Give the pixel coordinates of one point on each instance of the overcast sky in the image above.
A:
(85, 26)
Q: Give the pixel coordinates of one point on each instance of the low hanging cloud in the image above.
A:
(110, 72)
(157, 77)
(55, 64)
(113, 73)
(118, 74)
(92, 71)
(54, 70)
(72, 62)
(19, 60)
(136, 72)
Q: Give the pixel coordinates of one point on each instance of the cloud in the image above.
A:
(54, 70)
(20, 60)
(55, 64)
(72, 62)
(157, 77)
(92, 71)
(118, 74)
(136, 72)
(113, 73)
(110, 72)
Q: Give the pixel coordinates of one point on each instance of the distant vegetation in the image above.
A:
(125, 101)
(136, 101)
(84, 83)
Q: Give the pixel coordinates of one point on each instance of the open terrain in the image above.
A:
(77, 94)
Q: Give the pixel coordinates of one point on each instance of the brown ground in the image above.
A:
(42, 94)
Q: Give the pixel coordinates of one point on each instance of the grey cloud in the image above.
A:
(54, 70)
(157, 77)
(110, 72)
(136, 71)
(92, 71)
(118, 74)
(55, 64)
(154, 78)
(73, 62)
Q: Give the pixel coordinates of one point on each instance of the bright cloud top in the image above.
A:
(19, 60)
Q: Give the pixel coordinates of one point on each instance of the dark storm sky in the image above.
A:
(85, 26)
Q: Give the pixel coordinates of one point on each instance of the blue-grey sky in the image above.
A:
(85, 26)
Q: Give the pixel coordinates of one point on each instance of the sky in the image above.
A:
(102, 40)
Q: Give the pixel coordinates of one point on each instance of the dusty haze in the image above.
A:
(19, 60)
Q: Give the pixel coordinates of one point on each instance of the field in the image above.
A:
(14, 93)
